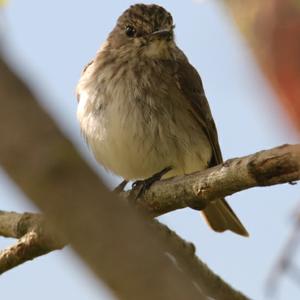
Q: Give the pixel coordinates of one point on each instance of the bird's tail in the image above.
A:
(221, 217)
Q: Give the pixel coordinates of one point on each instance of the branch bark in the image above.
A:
(269, 167)
(35, 238)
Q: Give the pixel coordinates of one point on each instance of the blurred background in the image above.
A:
(253, 98)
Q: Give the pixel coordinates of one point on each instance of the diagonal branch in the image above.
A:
(269, 167)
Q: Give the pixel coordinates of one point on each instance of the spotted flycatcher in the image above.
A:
(142, 107)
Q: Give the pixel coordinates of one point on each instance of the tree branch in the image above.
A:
(35, 238)
(268, 167)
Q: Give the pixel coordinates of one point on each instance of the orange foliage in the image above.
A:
(272, 28)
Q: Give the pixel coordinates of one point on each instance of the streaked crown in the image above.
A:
(139, 22)
(145, 19)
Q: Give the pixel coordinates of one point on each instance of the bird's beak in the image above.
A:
(163, 34)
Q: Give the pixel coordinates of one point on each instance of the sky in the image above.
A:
(49, 42)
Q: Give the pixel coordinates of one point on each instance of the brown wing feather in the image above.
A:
(191, 86)
(219, 214)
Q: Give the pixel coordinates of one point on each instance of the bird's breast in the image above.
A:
(137, 127)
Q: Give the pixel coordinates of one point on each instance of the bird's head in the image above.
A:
(145, 30)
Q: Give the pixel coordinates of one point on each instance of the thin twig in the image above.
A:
(284, 263)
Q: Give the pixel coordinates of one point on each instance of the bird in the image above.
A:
(143, 111)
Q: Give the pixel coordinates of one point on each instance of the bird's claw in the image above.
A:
(144, 185)
(120, 188)
(293, 182)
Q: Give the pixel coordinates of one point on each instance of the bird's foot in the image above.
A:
(120, 188)
(144, 185)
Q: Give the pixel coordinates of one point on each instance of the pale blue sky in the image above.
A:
(50, 42)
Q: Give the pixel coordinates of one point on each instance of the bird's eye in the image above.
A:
(130, 31)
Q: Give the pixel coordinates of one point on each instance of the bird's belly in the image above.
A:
(135, 143)
(129, 157)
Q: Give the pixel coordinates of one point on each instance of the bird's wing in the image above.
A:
(218, 214)
(191, 87)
